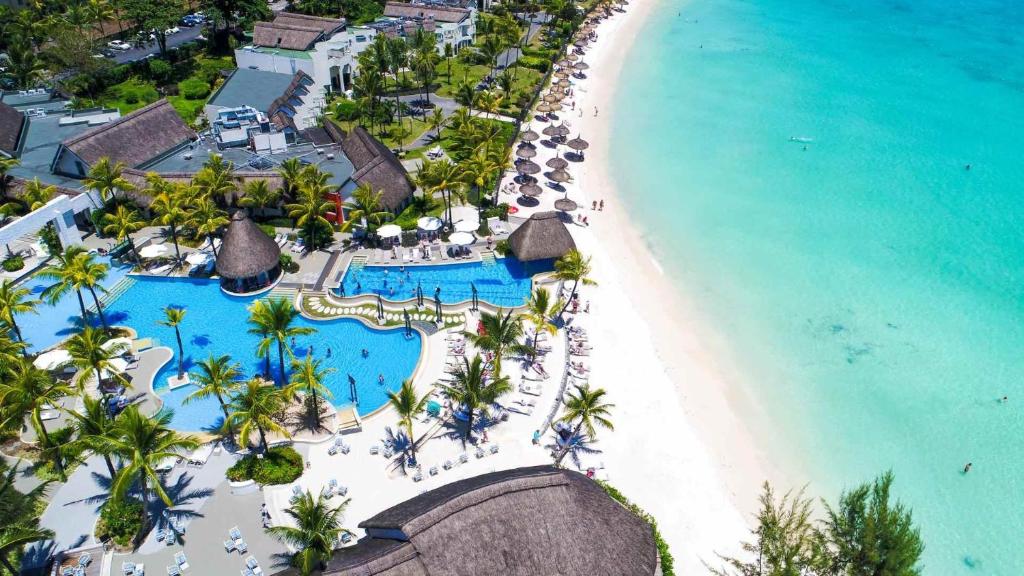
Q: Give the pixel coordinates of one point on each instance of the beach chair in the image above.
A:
(463, 458)
(479, 452)
(388, 452)
(332, 450)
(128, 568)
(448, 465)
(494, 449)
(241, 546)
(375, 449)
(140, 570)
(345, 448)
(342, 491)
(433, 470)
(251, 563)
(173, 570)
(234, 533)
(182, 560)
(170, 538)
(229, 546)
(296, 492)
(418, 477)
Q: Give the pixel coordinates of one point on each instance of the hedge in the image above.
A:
(279, 465)
(535, 63)
(663, 552)
(120, 521)
(13, 263)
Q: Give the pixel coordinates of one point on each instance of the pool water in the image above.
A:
(52, 324)
(504, 282)
(215, 323)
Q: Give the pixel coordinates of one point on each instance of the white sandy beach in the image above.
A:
(679, 450)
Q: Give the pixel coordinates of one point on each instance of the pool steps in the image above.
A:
(114, 292)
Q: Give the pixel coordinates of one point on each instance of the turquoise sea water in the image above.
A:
(870, 288)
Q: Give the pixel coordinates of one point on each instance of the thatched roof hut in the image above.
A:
(378, 167)
(135, 139)
(12, 126)
(542, 237)
(248, 260)
(521, 522)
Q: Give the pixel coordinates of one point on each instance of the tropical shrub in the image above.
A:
(279, 465)
(120, 521)
(502, 247)
(535, 63)
(268, 230)
(13, 263)
(193, 88)
(288, 263)
(345, 109)
(159, 71)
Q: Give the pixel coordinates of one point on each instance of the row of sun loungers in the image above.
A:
(463, 459)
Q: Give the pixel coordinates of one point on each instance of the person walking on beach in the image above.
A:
(601, 206)
(968, 467)
(593, 205)
(595, 111)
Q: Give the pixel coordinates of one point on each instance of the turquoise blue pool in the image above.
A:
(504, 282)
(216, 324)
(52, 324)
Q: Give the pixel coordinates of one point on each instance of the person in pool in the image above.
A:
(366, 353)
(380, 379)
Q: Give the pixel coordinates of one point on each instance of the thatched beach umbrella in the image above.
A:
(559, 130)
(531, 190)
(525, 152)
(572, 57)
(559, 176)
(557, 163)
(561, 74)
(551, 97)
(543, 107)
(581, 66)
(555, 106)
(527, 167)
(581, 43)
(564, 64)
(578, 144)
(565, 205)
(529, 136)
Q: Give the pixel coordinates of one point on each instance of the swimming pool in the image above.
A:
(504, 282)
(215, 323)
(52, 324)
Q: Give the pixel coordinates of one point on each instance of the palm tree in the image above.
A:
(6, 165)
(465, 94)
(366, 204)
(215, 179)
(171, 213)
(477, 171)
(437, 122)
(308, 377)
(11, 353)
(587, 408)
(309, 209)
(276, 316)
(500, 336)
(14, 538)
(107, 179)
(142, 443)
(37, 194)
(255, 406)
(98, 12)
(258, 318)
(93, 353)
(471, 389)
(26, 389)
(173, 317)
(218, 377)
(291, 171)
(121, 223)
(573, 267)
(207, 220)
(93, 429)
(539, 311)
(15, 300)
(24, 66)
(315, 533)
(67, 274)
(408, 406)
(258, 196)
(443, 176)
(92, 274)
(575, 445)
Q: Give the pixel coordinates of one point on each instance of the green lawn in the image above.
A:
(507, 130)
(415, 126)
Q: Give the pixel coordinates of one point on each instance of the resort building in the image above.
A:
(138, 139)
(453, 25)
(252, 102)
(523, 521)
(249, 260)
(376, 166)
(542, 237)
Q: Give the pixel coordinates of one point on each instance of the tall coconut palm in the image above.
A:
(259, 327)
(171, 213)
(366, 204)
(37, 194)
(92, 274)
(539, 311)
(255, 407)
(11, 353)
(259, 196)
(14, 538)
(25, 390)
(67, 275)
(309, 211)
(141, 443)
(308, 377)
(575, 268)
(437, 122)
(215, 179)
(444, 177)
(477, 171)
(173, 317)
(587, 408)
(107, 178)
(317, 527)
(277, 316)
(23, 65)
(408, 406)
(15, 300)
(218, 377)
(121, 223)
(501, 336)
(93, 429)
(206, 219)
(290, 171)
(473, 391)
(93, 353)
(6, 165)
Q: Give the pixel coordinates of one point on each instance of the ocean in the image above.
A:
(839, 187)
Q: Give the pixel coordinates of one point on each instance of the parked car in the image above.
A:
(172, 30)
(119, 45)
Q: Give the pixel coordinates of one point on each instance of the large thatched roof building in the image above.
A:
(12, 127)
(531, 521)
(249, 260)
(377, 167)
(542, 237)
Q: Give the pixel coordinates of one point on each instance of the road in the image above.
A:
(186, 35)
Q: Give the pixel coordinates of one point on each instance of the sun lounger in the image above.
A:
(433, 470)
(229, 545)
(181, 560)
(251, 562)
(235, 533)
(578, 352)
(241, 546)
(140, 570)
(463, 458)
(128, 568)
(494, 449)
(479, 452)
(517, 410)
(170, 538)
(173, 570)
(375, 449)
(528, 389)
(332, 450)
(527, 375)
(448, 465)
(48, 415)
(418, 477)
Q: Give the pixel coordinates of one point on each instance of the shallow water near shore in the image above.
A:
(801, 170)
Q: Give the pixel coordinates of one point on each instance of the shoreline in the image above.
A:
(702, 469)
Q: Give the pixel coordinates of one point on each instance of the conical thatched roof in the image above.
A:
(246, 251)
(541, 237)
(531, 521)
